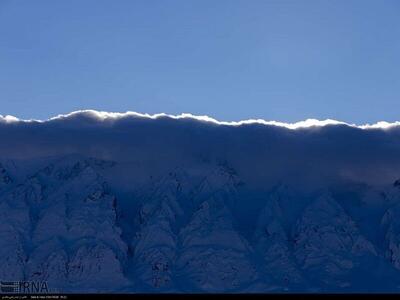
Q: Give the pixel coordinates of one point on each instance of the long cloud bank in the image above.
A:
(261, 151)
(115, 116)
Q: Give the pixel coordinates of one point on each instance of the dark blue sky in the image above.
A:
(230, 59)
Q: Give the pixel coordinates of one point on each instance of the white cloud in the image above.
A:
(113, 116)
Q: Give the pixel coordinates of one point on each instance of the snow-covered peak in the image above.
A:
(69, 167)
(328, 243)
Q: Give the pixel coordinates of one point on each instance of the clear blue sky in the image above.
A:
(230, 59)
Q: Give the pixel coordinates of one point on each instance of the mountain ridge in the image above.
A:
(188, 233)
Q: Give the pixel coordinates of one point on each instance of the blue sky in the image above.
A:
(229, 59)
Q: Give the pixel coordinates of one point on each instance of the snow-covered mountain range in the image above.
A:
(166, 205)
(191, 230)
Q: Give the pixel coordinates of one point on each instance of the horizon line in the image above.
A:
(103, 116)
